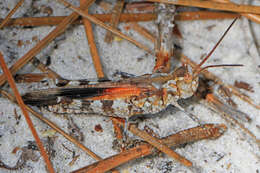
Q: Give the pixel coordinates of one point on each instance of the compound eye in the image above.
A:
(181, 71)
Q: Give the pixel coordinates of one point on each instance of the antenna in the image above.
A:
(214, 66)
(197, 69)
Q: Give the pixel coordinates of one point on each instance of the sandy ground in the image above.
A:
(234, 152)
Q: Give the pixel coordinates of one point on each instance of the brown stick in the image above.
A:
(142, 31)
(207, 131)
(43, 43)
(20, 102)
(55, 20)
(92, 46)
(114, 21)
(158, 144)
(214, 5)
(7, 18)
(124, 17)
(103, 25)
(51, 74)
(30, 77)
(204, 15)
(253, 17)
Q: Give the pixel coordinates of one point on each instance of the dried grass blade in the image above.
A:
(252, 17)
(124, 17)
(214, 5)
(204, 15)
(42, 67)
(114, 21)
(92, 45)
(55, 20)
(7, 18)
(143, 31)
(30, 77)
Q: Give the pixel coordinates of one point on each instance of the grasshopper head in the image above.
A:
(182, 83)
(185, 82)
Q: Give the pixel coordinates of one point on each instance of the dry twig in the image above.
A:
(124, 17)
(30, 77)
(7, 18)
(207, 131)
(204, 15)
(214, 5)
(50, 73)
(19, 99)
(55, 20)
(158, 144)
(114, 21)
(92, 46)
(142, 31)
(252, 17)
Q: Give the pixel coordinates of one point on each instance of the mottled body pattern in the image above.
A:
(121, 107)
(147, 94)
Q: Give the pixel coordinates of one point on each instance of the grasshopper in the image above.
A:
(147, 94)
(125, 98)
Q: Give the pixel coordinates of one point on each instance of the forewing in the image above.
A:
(110, 91)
